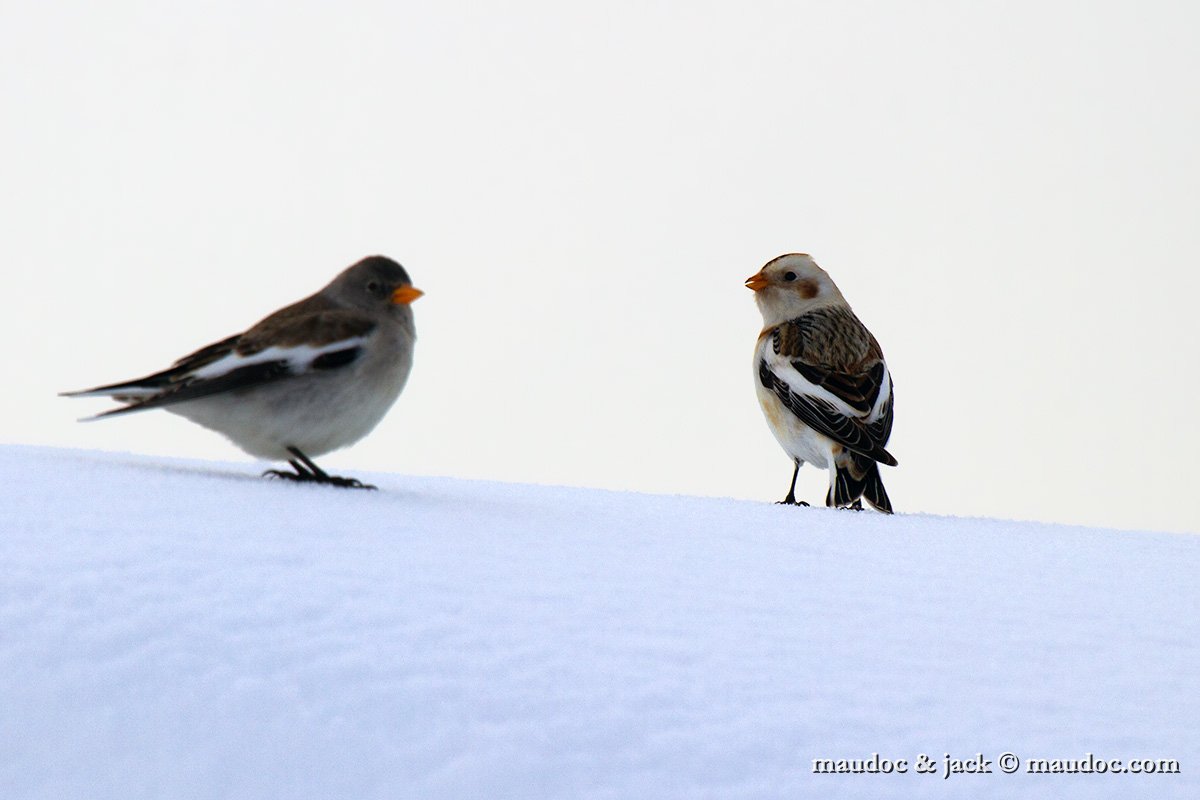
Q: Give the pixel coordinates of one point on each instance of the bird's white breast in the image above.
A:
(798, 440)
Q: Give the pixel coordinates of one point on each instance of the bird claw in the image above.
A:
(350, 483)
(791, 502)
(331, 480)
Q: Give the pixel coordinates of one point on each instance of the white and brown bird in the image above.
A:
(822, 382)
(313, 377)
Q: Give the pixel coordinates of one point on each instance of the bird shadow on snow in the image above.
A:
(181, 469)
(254, 474)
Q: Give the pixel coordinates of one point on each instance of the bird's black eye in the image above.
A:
(789, 276)
(373, 287)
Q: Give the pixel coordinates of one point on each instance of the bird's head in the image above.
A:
(791, 285)
(376, 282)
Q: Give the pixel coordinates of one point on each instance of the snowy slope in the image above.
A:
(189, 630)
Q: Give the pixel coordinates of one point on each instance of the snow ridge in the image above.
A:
(190, 630)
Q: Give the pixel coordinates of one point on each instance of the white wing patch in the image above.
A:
(798, 384)
(299, 358)
(885, 395)
(132, 392)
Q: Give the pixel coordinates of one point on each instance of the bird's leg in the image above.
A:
(306, 466)
(301, 475)
(318, 475)
(790, 500)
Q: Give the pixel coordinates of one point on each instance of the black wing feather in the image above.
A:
(163, 379)
(240, 378)
(245, 377)
(824, 418)
(859, 391)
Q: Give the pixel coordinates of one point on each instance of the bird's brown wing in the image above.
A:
(315, 321)
(295, 341)
(831, 349)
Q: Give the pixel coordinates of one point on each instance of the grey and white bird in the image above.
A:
(822, 382)
(313, 377)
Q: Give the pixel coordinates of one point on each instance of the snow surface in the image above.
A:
(175, 629)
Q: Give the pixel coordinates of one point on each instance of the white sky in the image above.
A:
(1008, 194)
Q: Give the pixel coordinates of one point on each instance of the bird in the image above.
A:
(822, 382)
(312, 377)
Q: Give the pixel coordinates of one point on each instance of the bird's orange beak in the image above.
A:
(405, 295)
(757, 281)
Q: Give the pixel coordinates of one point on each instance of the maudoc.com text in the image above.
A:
(1006, 763)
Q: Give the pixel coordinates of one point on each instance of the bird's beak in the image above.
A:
(405, 295)
(757, 281)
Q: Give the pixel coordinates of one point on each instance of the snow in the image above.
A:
(190, 630)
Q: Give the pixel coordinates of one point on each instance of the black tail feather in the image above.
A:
(875, 494)
(148, 383)
(858, 477)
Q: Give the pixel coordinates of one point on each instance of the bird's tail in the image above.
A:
(131, 393)
(857, 477)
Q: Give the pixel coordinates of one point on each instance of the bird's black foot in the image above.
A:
(303, 476)
(791, 501)
(348, 483)
(855, 506)
(309, 472)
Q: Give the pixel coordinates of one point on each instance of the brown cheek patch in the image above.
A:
(807, 288)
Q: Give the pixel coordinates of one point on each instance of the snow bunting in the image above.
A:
(822, 382)
(313, 377)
